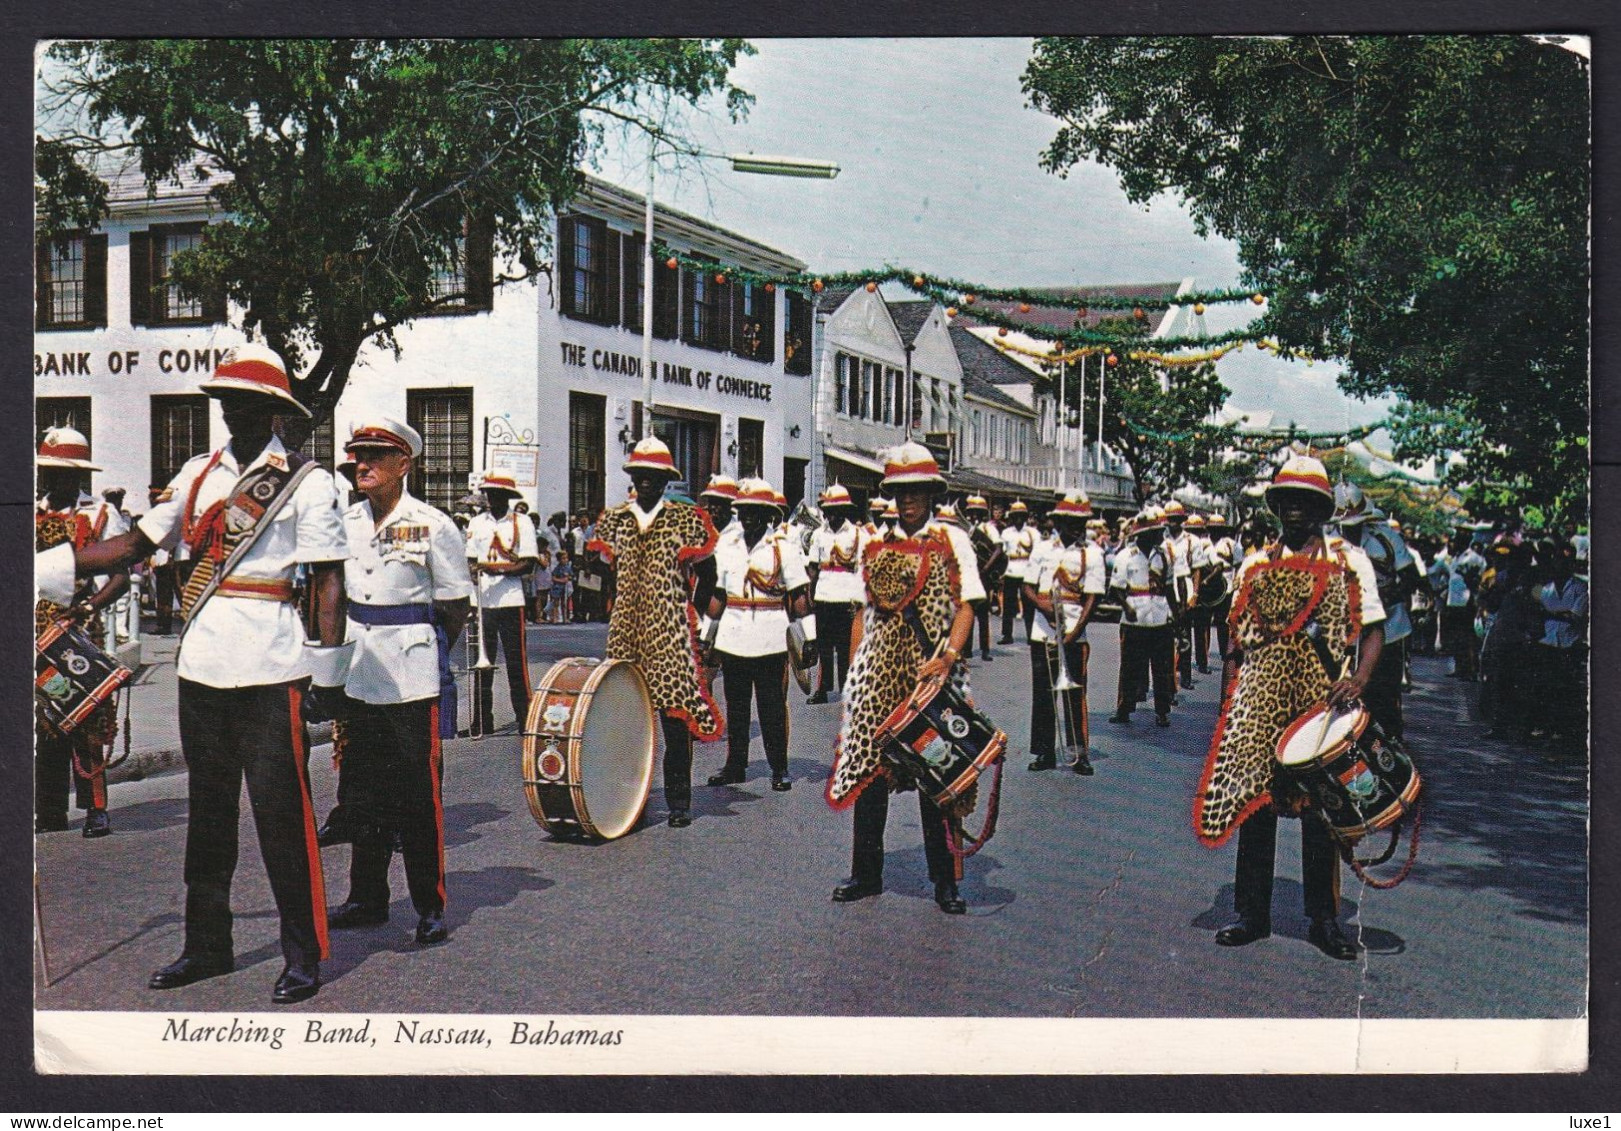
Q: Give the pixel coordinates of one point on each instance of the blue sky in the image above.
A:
(940, 159)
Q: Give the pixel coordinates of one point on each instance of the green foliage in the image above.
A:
(350, 170)
(1416, 206)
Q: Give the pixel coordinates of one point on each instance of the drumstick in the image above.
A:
(1328, 713)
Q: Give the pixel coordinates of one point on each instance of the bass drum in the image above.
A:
(588, 749)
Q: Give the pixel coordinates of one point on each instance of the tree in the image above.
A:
(1159, 420)
(353, 176)
(1416, 206)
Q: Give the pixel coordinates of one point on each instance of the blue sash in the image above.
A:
(374, 615)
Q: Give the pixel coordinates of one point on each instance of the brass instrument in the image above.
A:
(1075, 737)
(475, 659)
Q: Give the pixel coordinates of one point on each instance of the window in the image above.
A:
(754, 311)
(630, 282)
(667, 302)
(466, 281)
(692, 438)
(62, 412)
(917, 401)
(319, 444)
(70, 282)
(750, 447)
(976, 424)
(796, 338)
(843, 364)
(871, 393)
(587, 427)
(179, 431)
(155, 298)
(895, 413)
(444, 417)
(589, 255)
(706, 302)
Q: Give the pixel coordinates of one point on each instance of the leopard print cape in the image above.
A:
(1280, 678)
(920, 571)
(52, 529)
(654, 625)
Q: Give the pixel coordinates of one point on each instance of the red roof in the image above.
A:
(1066, 303)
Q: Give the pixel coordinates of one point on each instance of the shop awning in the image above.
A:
(853, 469)
(855, 459)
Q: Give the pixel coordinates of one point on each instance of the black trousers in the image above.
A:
(392, 774)
(1012, 602)
(872, 813)
(257, 733)
(163, 594)
(678, 760)
(1200, 615)
(1182, 634)
(1043, 721)
(1257, 858)
(1218, 621)
(833, 619)
(60, 761)
(762, 679)
(505, 627)
(1145, 652)
(982, 617)
(1383, 694)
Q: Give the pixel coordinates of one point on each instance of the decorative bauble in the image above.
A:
(1258, 299)
(1024, 308)
(1112, 361)
(1081, 313)
(951, 312)
(1198, 308)
(769, 287)
(968, 300)
(871, 287)
(1002, 333)
(817, 286)
(1137, 313)
(720, 278)
(672, 263)
(917, 281)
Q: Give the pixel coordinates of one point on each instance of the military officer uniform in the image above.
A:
(401, 566)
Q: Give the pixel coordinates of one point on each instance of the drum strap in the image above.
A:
(914, 621)
(956, 834)
(1359, 866)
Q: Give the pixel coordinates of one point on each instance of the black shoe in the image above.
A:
(726, 777)
(949, 901)
(679, 819)
(96, 824)
(1187, 684)
(1083, 766)
(336, 830)
(1204, 669)
(1038, 763)
(780, 784)
(1005, 640)
(1243, 932)
(1120, 718)
(1326, 936)
(297, 983)
(853, 889)
(352, 915)
(818, 698)
(189, 968)
(431, 929)
(51, 824)
(1162, 720)
(985, 657)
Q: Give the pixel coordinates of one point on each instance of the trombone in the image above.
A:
(475, 660)
(1076, 737)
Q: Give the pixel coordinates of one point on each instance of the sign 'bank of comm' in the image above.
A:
(540, 379)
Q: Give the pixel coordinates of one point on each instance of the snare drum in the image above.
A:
(588, 748)
(72, 677)
(944, 741)
(1359, 778)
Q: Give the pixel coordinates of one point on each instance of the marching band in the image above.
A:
(729, 587)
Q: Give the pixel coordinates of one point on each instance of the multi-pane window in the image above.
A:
(588, 269)
(444, 418)
(631, 282)
(917, 401)
(156, 297)
(895, 400)
(692, 442)
(750, 446)
(871, 378)
(179, 431)
(705, 310)
(450, 277)
(319, 444)
(70, 280)
(464, 282)
(841, 382)
(62, 412)
(754, 316)
(796, 341)
(587, 421)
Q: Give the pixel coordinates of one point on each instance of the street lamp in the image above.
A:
(741, 163)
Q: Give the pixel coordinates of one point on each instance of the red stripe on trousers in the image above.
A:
(312, 851)
(435, 761)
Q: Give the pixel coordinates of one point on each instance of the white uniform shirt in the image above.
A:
(1079, 565)
(113, 523)
(1200, 553)
(755, 623)
(1377, 545)
(835, 582)
(245, 641)
(1039, 553)
(1018, 543)
(1224, 556)
(1569, 597)
(415, 557)
(491, 539)
(1372, 610)
(1134, 571)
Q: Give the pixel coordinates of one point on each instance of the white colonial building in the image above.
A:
(540, 378)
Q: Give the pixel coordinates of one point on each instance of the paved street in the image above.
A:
(1094, 899)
